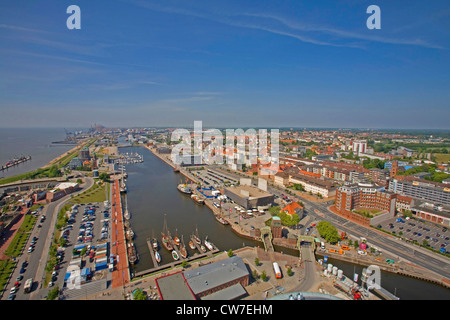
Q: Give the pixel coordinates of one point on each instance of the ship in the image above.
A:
(197, 199)
(132, 255)
(130, 234)
(184, 188)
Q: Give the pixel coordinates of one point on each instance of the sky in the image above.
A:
(228, 63)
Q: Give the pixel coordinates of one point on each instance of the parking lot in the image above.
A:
(88, 226)
(416, 230)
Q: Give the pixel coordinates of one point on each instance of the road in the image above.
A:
(409, 252)
(37, 259)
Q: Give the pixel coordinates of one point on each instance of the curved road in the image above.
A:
(37, 259)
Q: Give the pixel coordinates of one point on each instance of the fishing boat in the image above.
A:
(157, 257)
(184, 188)
(132, 255)
(209, 245)
(197, 199)
(175, 255)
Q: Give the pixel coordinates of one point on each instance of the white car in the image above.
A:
(361, 252)
(30, 249)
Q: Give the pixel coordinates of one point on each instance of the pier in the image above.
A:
(174, 264)
(152, 253)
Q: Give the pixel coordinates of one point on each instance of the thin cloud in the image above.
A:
(310, 33)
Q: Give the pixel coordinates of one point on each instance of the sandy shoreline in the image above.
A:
(52, 162)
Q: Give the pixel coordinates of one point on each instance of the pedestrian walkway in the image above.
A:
(121, 274)
(9, 234)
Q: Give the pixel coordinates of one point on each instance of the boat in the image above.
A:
(132, 255)
(192, 245)
(157, 257)
(222, 220)
(165, 237)
(183, 251)
(175, 255)
(127, 214)
(209, 245)
(155, 244)
(130, 234)
(202, 247)
(197, 199)
(176, 240)
(196, 238)
(184, 188)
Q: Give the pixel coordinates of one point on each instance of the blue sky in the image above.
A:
(228, 63)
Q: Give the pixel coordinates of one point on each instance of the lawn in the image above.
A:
(6, 268)
(96, 193)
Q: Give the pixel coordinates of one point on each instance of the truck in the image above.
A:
(276, 269)
(28, 285)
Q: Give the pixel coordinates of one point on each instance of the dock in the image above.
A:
(152, 253)
(174, 264)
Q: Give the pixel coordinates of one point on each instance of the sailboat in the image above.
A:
(192, 245)
(196, 238)
(154, 242)
(176, 239)
(183, 250)
(175, 255)
(165, 236)
(208, 244)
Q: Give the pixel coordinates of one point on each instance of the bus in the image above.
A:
(277, 270)
(28, 285)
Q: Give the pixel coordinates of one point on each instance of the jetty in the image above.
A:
(152, 252)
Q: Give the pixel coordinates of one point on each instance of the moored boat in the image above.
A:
(184, 188)
(155, 244)
(221, 220)
(209, 245)
(132, 255)
(197, 199)
(157, 256)
(166, 242)
(175, 255)
(202, 247)
(192, 245)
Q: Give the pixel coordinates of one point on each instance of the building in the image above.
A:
(428, 211)
(276, 227)
(84, 155)
(364, 196)
(294, 208)
(359, 146)
(61, 190)
(425, 190)
(221, 280)
(249, 197)
(75, 163)
(323, 186)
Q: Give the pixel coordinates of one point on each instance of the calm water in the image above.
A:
(152, 193)
(405, 288)
(34, 142)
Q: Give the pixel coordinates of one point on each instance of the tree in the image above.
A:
(104, 177)
(53, 293)
(140, 295)
(289, 271)
(274, 210)
(256, 261)
(263, 276)
(328, 232)
(230, 253)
